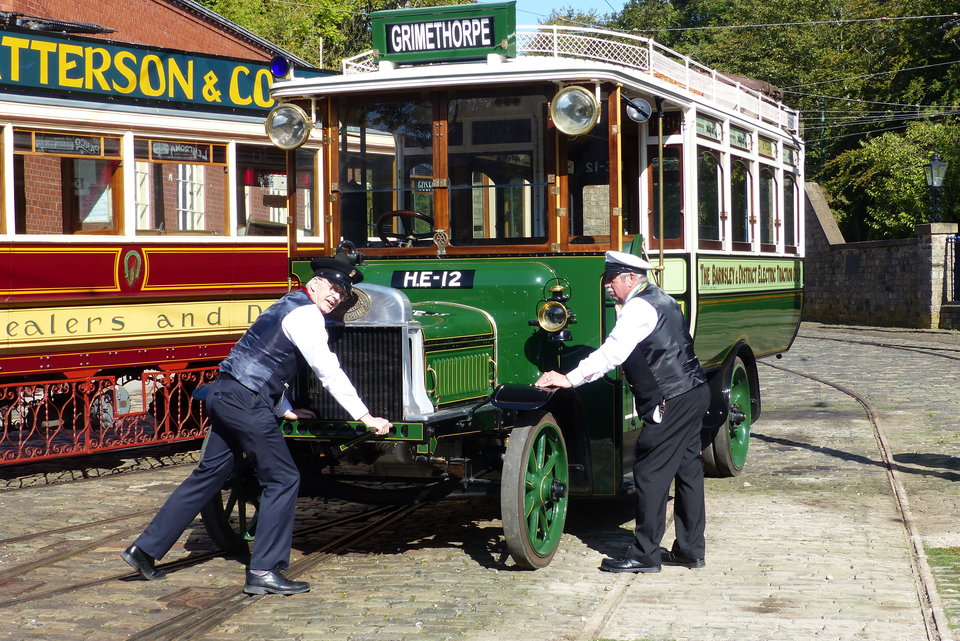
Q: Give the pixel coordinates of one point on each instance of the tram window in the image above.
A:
(66, 183)
(262, 191)
(709, 199)
(386, 163)
(588, 167)
(741, 214)
(672, 197)
(768, 209)
(180, 187)
(790, 212)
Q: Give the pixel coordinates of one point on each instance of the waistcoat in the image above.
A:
(663, 365)
(264, 360)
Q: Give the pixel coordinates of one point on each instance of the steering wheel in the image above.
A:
(407, 220)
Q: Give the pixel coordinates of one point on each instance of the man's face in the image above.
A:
(325, 294)
(620, 285)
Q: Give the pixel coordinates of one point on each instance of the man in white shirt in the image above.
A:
(653, 346)
(244, 404)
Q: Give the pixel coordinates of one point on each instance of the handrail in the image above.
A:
(634, 52)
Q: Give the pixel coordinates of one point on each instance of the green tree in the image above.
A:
(854, 76)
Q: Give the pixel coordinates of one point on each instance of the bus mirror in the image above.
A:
(288, 126)
(574, 110)
(638, 109)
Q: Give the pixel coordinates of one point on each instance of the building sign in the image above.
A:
(86, 67)
(719, 275)
(459, 32)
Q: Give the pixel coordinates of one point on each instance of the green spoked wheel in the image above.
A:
(230, 518)
(533, 492)
(727, 454)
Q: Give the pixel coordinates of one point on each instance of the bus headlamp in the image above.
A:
(574, 110)
(288, 126)
(552, 316)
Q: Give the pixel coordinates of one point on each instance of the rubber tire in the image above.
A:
(230, 518)
(727, 454)
(533, 518)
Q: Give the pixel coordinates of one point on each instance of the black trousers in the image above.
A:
(242, 422)
(667, 452)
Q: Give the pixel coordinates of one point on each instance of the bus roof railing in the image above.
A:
(641, 54)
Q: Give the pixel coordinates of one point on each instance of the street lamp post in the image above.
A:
(934, 171)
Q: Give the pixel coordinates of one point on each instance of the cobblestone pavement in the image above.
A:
(807, 543)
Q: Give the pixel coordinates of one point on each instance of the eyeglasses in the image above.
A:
(609, 278)
(341, 294)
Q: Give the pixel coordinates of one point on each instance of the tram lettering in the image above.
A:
(120, 61)
(261, 87)
(45, 49)
(96, 71)
(253, 311)
(67, 55)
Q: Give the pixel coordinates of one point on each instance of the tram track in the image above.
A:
(927, 350)
(934, 617)
(177, 564)
(935, 621)
(230, 601)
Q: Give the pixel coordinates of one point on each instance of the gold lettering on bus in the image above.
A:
(721, 274)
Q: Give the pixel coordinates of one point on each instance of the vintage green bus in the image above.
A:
(480, 170)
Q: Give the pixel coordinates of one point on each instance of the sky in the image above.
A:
(536, 11)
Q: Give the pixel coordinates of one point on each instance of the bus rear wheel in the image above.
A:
(726, 455)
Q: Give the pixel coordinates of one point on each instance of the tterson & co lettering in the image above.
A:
(46, 62)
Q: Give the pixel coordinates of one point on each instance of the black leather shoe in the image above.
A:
(141, 562)
(627, 565)
(669, 557)
(273, 583)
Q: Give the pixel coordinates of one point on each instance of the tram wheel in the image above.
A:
(727, 454)
(230, 518)
(533, 492)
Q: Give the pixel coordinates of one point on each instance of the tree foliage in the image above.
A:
(877, 96)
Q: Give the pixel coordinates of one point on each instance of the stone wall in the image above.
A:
(896, 283)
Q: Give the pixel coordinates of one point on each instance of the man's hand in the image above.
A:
(298, 414)
(553, 379)
(377, 425)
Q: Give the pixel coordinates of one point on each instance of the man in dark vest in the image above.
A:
(244, 404)
(651, 343)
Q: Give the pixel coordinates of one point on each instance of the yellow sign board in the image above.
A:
(105, 324)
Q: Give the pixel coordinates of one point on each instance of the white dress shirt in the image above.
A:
(637, 320)
(306, 328)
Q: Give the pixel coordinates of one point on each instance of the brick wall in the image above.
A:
(156, 23)
(895, 283)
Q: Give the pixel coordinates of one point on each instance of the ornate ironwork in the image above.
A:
(49, 419)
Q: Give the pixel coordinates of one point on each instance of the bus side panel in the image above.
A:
(767, 322)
